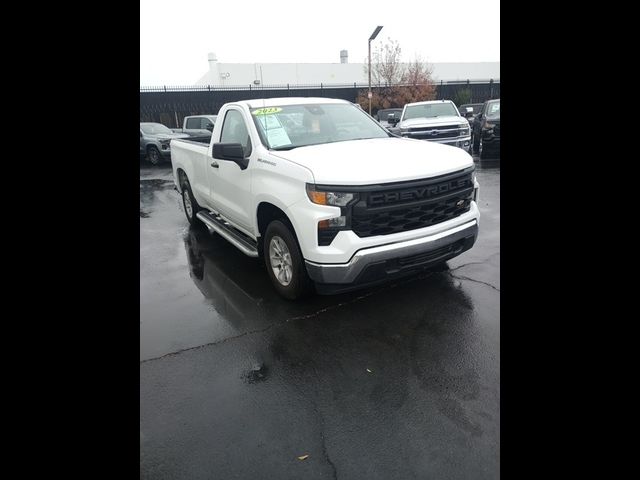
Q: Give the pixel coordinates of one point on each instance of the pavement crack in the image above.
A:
(210, 344)
(327, 458)
(462, 277)
(319, 414)
(474, 263)
(261, 330)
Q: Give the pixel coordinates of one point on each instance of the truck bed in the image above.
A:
(206, 139)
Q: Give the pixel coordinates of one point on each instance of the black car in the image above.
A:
(474, 108)
(383, 115)
(485, 130)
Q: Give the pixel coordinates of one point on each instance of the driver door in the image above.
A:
(230, 185)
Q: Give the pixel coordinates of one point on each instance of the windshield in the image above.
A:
(154, 128)
(429, 110)
(292, 126)
(475, 107)
(493, 109)
(383, 115)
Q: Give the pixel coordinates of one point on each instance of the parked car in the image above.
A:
(337, 204)
(155, 141)
(383, 116)
(470, 110)
(197, 125)
(485, 132)
(436, 121)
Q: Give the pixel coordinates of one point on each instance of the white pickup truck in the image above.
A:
(196, 125)
(434, 120)
(325, 195)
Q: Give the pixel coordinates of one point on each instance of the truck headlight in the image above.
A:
(475, 188)
(336, 199)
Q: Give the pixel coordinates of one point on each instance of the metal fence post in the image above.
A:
(491, 89)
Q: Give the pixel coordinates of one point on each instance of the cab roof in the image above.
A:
(272, 102)
(430, 102)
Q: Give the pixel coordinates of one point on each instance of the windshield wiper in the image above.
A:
(283, 148)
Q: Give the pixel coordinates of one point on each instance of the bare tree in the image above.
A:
(386, 65)
(403, 83)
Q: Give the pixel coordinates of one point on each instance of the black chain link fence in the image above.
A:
(169, 105)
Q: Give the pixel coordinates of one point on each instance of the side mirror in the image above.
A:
(393, 120)
(209, 127)
(230, 151)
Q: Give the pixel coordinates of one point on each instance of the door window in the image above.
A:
(234, 130)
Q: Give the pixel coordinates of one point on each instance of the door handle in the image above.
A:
(215, 165)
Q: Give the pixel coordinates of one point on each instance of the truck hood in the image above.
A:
(430, 122)
(377, 160)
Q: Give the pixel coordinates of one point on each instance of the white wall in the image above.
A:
(328, 73)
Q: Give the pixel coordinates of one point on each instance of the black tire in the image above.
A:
(191, 207)
(299, 284)
(153, 155)
(475, 144)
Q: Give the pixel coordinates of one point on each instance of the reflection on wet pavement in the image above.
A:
(397, 381)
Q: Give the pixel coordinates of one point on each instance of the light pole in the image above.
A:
(372, 37)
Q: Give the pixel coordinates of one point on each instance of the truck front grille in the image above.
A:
(436, 133)
(411, 205)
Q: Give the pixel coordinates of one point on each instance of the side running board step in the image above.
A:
(243, 243)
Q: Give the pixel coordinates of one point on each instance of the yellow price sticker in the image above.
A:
(266, 111)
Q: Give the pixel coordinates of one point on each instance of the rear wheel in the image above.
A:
(191, 207)
(284, 261)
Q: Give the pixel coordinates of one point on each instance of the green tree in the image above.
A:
(462, 96)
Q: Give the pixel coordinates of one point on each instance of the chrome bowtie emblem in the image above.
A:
(460, 203)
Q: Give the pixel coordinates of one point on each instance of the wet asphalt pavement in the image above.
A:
(394, 382)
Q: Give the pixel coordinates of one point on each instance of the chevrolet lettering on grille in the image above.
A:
(420, 193)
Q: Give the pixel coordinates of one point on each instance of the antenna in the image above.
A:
(266, 121)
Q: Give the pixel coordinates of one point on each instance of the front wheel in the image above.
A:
(284, 261)
(483, 151)
(475, 144)
(153, 155)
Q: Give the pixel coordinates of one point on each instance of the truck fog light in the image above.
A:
(332, 222)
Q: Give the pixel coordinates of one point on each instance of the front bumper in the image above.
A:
(490, 141)
(461, 142)
(165, 151)
(376, 264)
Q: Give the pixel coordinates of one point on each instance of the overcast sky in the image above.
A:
(176, 36)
